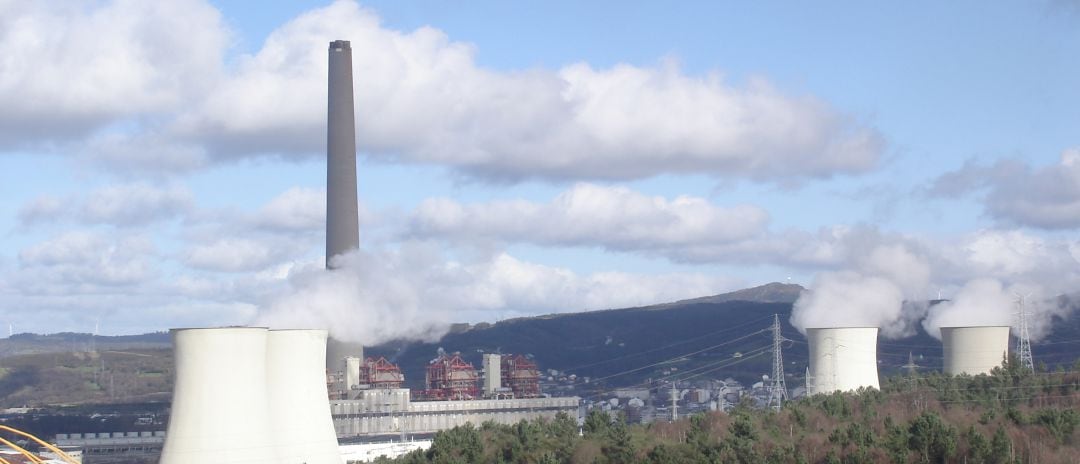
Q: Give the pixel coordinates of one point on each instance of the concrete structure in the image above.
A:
(842, 359)
(492, 373)
(368, 452)
(92, 448)
(249, 394)
(352, 373)
(299, 411)
(391, 412)
(342, 217)
(974, 350)
(220, 407)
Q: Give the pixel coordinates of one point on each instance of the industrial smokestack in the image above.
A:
(342, 223)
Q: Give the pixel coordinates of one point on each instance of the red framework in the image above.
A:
(380, 373)
(451, 378)
(521, 375)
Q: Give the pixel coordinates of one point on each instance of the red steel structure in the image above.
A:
(521, 375)
(380, 373)
(451, 378)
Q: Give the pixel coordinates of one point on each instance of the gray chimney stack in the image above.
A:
(342, 222)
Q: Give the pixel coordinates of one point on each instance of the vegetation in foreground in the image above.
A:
(1011, 416)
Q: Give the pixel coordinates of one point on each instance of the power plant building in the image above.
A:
(842, 359)
(391, 412)
(974, 350)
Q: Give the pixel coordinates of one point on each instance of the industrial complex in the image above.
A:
(251, 394)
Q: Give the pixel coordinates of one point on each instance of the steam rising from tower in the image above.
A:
(342, 222)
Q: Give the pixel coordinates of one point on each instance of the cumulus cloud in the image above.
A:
(80, 260)
(592, 215)
(296, 209)
(232, 255)
(1013, 256)
(121, 205)
(1015, 192)
(422, 98)
(415, 292)
(151, 94)
(68, 69)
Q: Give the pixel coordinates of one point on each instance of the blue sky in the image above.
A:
(162, 165)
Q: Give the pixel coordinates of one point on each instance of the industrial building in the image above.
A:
(376, 413)
(974, 350)
(376, 406)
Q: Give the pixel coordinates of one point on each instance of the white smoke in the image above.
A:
(415, 293)
(989, 302)
(981, 302)
(365, 300)
(875, 296)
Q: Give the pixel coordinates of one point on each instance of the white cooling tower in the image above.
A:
(298, 402)
(974, 350)
(842, 358)
(219, 406)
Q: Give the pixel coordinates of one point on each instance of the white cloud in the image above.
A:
(1047, 197)
(121, 205)
(80, 261)
(147, 88)
(69, 68)
(296, 209)
(232, 255)
(592, 215)
(135, 204)
(421, 98)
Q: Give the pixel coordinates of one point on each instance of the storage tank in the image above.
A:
(842, 359)
(299, 411)
(974, 350)
(219, 406)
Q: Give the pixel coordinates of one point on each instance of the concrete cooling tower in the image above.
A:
(299, 409)
(842, 359)
(974, 350)
(250, 395)
(219, 407)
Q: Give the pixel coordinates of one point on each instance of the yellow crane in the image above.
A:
(62, 455)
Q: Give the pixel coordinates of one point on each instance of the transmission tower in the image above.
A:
(911, 367)
(777, 388)
(674, 402)
(1023, 342)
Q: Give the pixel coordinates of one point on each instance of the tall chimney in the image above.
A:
(342, 223)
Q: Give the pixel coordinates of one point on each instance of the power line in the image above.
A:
(676, 357)
(681, 342)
